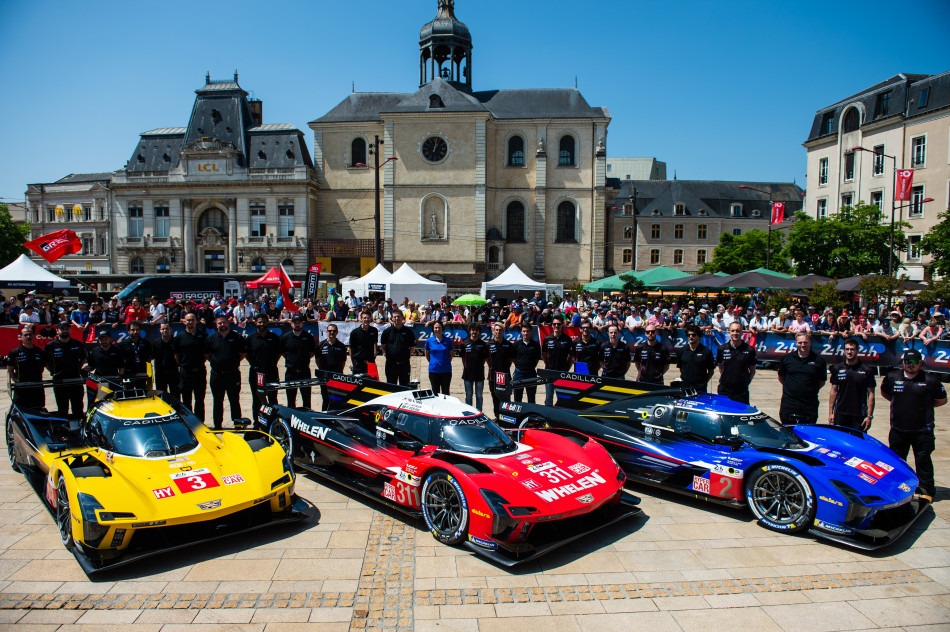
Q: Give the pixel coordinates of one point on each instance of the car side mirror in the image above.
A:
(410, 445)
(56, 447)
(733, 443)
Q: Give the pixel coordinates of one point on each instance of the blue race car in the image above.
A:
(837, 483)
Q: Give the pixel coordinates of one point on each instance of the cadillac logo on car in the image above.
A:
(211, 504)
(586, 498)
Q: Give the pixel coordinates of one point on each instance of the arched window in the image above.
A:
(493, 254)
(566, 151)
(162, 266)
(515, 151)
(852, 120)
(137, 266)
(258, 264)
(213, 218)
(566, 220)
(358, 152)
(288, 265)
(514, 222)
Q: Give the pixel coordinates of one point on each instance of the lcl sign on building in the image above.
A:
(208, 167)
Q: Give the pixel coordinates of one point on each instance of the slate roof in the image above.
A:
(905, 98)
(85, 177)
(221, 112)
(500, 104)
(712, 196)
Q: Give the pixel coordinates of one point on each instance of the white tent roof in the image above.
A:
(512, 280)
(25, 273)
(379, 274)
(407, 282)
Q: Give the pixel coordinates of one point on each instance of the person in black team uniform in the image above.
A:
(331, 356)
(298, 347)
(138, 353)
(474, 359)
(914, 395)
(615, 356)
(851, 402)
(651, 357)
(398, 342)
(363, 341)
(106, 360)
(695, 361)
(801, 373)
(557, 351)
(193, 374)
(225, 349)
(587, 350)
(263, 351)
(25, 364)
(166, 365)
(64, 357)
(736, 360)
(112, 315)
(527, 354)
(500, 354)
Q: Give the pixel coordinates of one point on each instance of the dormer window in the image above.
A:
(756, 213)
(435, 102)
(679, 210)
(735, 210)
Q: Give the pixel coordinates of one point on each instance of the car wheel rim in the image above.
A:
(533, 422)
(10, 449)
(281, 436)
(63, 516)
(443, 507)
(780, 498)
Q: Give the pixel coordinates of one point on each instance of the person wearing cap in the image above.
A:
(758, 322)
(6, 318)
(914, 394)
(736, 360)
(64, 358)
(886, 328)
(397, 343)
(28, 315)
(225, 349)
(851, 401)
(780, 323)
(112, 314)
(26, 364)
(651, 357)
(695, 361)
(80, 315)
(106, 360)
(239, 313)
(801, 373)
(166, 365)
(939, 308)
(298, 347)
(263, 349)
(138, 354)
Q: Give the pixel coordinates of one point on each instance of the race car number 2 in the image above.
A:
(194, 480)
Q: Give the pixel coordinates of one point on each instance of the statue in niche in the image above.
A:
(602, 145)
(433, 227)
(540, 145)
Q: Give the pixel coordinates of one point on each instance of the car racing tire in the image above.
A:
(11, 447)
(63, 515)
(444, 507)
(781, 498)
(280, 431)
(533, 421)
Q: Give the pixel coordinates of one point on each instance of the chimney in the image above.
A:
(257, 111)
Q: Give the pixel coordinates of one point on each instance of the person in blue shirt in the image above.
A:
(80, 316)
(438, 352)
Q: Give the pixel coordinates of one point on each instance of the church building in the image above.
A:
(470, 181)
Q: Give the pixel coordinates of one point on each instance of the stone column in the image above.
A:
(188, 233)
(232, 236)
(539, 225)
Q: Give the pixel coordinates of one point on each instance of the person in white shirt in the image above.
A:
(239, 312)
(28, 315)
(352, 302)
(719, 323)
(156, 311)
(633, 322)
(781, 322)
(759, 322)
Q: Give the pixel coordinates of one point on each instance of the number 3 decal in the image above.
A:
(196, 482)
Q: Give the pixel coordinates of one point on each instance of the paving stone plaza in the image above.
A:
(683, 566)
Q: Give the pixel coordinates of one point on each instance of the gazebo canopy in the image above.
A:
(375, 280)
(271, 279)
(653, 276)
(512, 280)
(407, 282)
(24, 273)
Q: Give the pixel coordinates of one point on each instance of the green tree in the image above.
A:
(937, 244)
(851, 242)
(12, 237)
(738, 253)
(881, 287)
(821, 296)
(936, 288)
(633, 285)
(777, 299)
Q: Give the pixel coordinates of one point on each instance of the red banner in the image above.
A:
(54, 245)
(10, 336)
(905, 180)
(778, 212)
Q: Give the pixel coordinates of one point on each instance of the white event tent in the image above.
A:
(26, 274)
(514, 281)
(407, 282)
(376, 280)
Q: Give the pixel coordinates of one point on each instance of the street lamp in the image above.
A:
(768, 247)
(374, 150)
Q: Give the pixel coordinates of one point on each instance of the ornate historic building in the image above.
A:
(471, 180)
(226, 194)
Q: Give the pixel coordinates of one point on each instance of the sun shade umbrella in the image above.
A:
(756, 278)
(469, 299)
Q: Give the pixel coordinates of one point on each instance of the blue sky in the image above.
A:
(721, 90)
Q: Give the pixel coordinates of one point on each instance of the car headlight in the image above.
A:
(92, 531)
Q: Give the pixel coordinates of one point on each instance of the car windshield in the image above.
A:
(475, 435)
(147, 437)
(760, 430)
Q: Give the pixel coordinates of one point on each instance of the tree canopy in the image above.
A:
(12, 237)
(937, 244)
(738, 253)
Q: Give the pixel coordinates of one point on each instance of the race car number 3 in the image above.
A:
(194, 480)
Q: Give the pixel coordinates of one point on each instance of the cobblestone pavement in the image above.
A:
(687, 566)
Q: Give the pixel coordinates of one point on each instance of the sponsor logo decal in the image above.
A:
(824, 450)
(316, 432)
(232, 479)
(884, 466)
(827, 526)
(904, 487)
(194, 480)
(180, 459)
(867, 478)
(701, 484)
(531, 484)
(586, 498)
(485, 544)
(411, 469)
(164, 492)
(50, 490)
(586, 482)
(507, 418)
(540, 466)
(481, 514)
(510, 406)
(211, 504)
(579, 468)
(831, 500)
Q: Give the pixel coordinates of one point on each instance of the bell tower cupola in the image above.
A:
(445, 48)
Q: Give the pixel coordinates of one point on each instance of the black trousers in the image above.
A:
(737, 396)
(67, 396)
(397, 372)
(168, 383)
(257, 395)
(497, 397)
(30, 398)
(440, 382)
(849, 421)
(790, 416)
(532, 390)
(922, 442)
(305, 393)
(194, 384)
(225, 384)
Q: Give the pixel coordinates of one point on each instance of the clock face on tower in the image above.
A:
(434, 149)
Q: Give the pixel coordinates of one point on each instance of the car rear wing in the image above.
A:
(349, 390)
(580, 392)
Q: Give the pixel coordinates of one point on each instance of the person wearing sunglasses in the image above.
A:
(26, 364)
(651, 357)
(557, 350)
(914, 394)
(695, 361)
(586, 349)
(331, 356)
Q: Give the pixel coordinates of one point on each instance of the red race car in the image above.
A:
(509, 497)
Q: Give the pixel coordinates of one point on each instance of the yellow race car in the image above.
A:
(141, 474)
